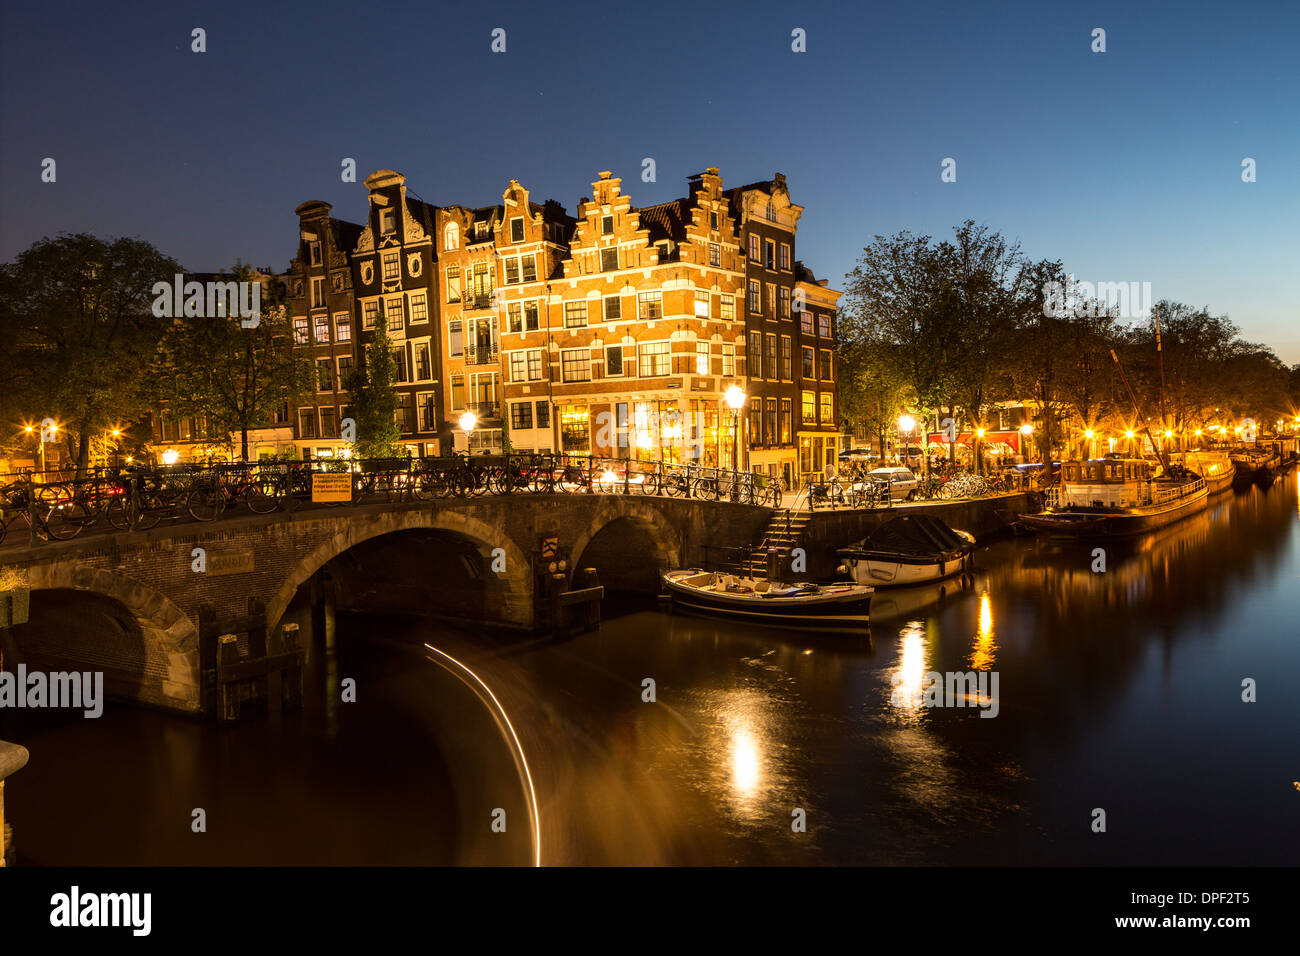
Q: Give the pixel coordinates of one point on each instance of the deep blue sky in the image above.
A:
(1126, 165)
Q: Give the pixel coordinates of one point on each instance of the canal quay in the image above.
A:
(1119, 689)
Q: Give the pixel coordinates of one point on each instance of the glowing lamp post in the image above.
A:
(906, 423)
(735, 398)
(467, 423)
(1026, 430)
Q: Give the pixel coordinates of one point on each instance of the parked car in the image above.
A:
(902, 483)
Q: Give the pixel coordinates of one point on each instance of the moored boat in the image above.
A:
(769, 602)
(908, 549)
(1216, 467)
(1110, 497)
(1257, 463)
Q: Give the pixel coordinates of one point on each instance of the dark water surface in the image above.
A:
(1118, 690)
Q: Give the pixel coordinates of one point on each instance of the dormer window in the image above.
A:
(480, 230)
(451, 236)
(607, 225)
(314, 251)
(387, 221)
(517, 229)
(713, 220)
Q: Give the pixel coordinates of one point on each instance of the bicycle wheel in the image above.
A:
(649, 484)
(64, 516)
(260, 496)
(204, 502)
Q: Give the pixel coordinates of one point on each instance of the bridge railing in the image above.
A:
(139, 498)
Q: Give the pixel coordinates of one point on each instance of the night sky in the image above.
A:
(1126, 164)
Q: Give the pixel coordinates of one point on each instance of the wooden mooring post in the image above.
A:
(271, 668)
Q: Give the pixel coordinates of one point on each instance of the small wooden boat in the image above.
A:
(769, 602)
(909, 549)
(1110, 497)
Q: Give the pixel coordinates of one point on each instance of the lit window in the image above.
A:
(653, 359)
(392, 268)
(701, 358)
(702, 305)
(575, 314)
(575, 365)
(451, 236)
(650, 305)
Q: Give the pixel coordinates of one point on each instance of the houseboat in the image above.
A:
(1109, 497)
(1256, 462)
(756, 601)
(1216, 467)
(908, 549)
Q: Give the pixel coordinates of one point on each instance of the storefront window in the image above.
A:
(575, 429)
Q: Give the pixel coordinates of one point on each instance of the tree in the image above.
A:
(232, 377)
(890, 301)
(374, 400)
(979, 277)
(873, 385)
(79, 335)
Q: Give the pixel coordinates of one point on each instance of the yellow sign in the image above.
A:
(329, 486)
(550, 547)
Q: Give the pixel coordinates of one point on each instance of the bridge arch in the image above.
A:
(620, 535)
(516, 584)
(158, 664)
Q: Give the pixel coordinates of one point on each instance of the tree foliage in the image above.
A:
(78, 334)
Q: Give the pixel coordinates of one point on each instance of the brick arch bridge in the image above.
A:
(157, 648)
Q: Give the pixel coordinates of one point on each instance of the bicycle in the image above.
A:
(56, 510)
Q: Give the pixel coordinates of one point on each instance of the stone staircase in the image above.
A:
(784, 531)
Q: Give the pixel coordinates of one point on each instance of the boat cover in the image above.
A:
(913, 534)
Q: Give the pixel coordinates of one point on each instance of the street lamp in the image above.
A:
(467, 423)
(905, 425)
(735, 397)
(1025, 430)
(169, 456)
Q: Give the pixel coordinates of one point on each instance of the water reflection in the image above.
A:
(982, 654)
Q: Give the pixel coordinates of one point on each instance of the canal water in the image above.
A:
(1119, 690)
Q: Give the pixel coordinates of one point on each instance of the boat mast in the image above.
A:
(1164, 459)
(1160, 360)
